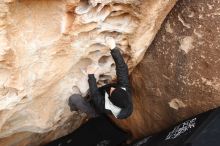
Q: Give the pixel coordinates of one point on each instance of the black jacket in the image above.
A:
(98, 94)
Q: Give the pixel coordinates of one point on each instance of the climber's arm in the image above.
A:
(96, 98)
(121, 68)
(92, 84)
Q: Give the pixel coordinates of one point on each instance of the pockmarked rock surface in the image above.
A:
(180, 74)
(46, 44)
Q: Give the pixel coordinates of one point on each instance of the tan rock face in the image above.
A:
(45, 45)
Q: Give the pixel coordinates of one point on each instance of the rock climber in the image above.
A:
(112, 98)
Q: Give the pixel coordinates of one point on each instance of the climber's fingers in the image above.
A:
(83, 71)
(91, 69)
(110, 42)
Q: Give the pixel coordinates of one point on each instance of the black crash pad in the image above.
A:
(200, 130)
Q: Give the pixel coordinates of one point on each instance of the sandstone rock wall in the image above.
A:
(45, 45)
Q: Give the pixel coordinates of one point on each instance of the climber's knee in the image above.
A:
(77, 102)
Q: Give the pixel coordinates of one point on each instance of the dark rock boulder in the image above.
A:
(180, 73)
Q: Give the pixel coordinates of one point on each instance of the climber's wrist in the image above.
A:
(91, 75)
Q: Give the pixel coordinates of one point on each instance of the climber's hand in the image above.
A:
(110, 42)
(91, 69)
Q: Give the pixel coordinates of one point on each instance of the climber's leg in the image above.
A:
(77, 102)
